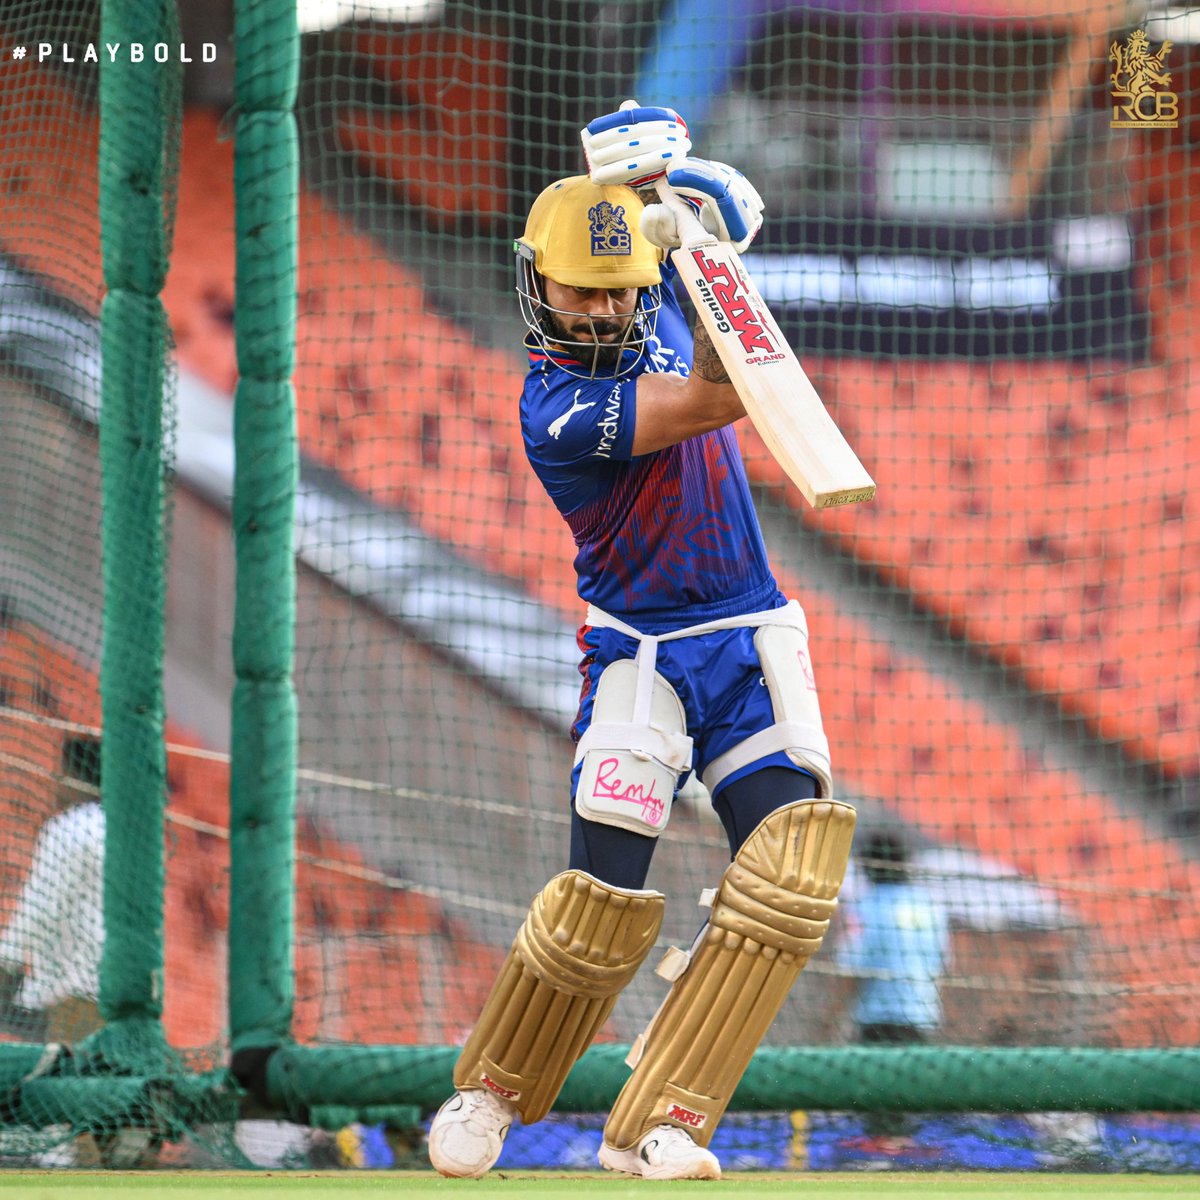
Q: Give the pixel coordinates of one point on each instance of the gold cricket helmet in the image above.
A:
(582, 234)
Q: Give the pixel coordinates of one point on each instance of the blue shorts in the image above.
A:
(718, 679)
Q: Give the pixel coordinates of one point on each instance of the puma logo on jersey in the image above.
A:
(559, 424)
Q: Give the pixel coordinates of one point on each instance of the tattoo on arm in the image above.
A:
(706, 362)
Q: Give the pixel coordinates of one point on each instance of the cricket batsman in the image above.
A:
(692, 659)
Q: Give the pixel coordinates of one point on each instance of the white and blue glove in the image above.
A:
(634, 145)
(727, 203)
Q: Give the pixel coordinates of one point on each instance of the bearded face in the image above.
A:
(603, 331)
(598, 342)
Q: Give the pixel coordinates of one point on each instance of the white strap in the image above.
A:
(787, 614)
(673, 966)
(674, 962)
(647, 656)
(673, 750)
(602, 620)
(782, 736)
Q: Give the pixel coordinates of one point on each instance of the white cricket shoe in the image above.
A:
(666, 1152)
(468, 1133)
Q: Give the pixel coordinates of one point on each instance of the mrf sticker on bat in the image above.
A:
(724, 292)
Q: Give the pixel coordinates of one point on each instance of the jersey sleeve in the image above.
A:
(575, 423)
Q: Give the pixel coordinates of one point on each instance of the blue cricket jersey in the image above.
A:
(665, 539)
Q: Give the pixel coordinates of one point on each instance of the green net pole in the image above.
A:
(137, 107)
(263, 742)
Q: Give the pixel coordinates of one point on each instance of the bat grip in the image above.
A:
(691, 232)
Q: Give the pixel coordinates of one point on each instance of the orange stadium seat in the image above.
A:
(466, 981)
(312, 987)
(443, 141)
(413, 914)
(1033, 553)
(377, 993)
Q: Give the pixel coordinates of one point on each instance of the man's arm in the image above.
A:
(706, 362)
(668, 413)
(671, 409)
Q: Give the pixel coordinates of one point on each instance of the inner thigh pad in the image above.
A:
(630, 766)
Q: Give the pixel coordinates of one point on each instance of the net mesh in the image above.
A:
(979, 235)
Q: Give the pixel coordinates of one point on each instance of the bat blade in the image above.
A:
(778, 396)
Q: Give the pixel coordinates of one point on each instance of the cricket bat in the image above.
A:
(778, 396)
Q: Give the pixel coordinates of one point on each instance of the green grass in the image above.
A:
(811, 1185)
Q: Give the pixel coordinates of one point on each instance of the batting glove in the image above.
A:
(727, 203)
(634, 145)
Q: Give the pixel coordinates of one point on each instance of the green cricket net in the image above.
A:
(348, 743)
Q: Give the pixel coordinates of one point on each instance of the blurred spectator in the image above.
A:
(898, 947)
(898, 944)
(52, 945)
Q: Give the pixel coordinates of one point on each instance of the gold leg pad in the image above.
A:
(771, 913)
(581, 943)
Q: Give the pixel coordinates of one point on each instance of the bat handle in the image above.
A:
(691, 232)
